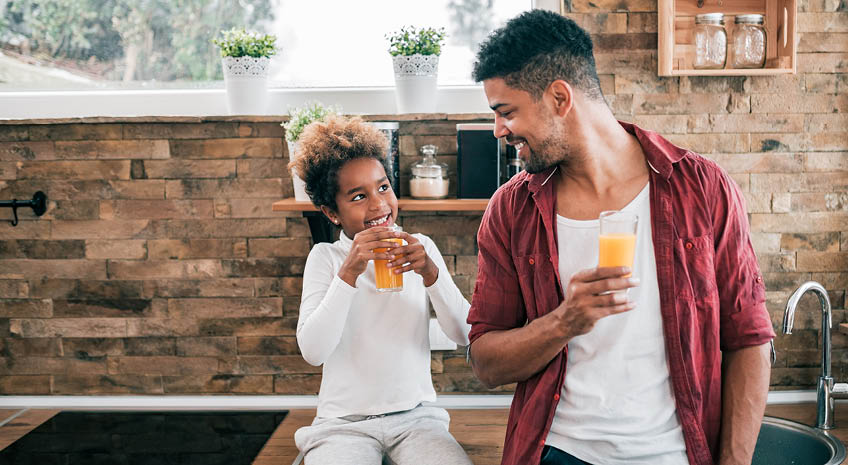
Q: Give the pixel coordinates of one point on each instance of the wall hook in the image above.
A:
(38, 205)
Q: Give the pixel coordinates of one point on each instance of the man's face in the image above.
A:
(528, 124)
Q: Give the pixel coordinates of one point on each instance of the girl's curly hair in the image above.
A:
(325, 146)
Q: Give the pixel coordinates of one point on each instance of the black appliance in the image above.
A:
(478, 162)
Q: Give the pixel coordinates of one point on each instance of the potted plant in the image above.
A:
(299, 118)
(415, 59)
(246, 57)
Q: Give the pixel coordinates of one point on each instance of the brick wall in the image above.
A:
(159, 267)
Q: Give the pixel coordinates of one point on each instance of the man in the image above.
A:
(668, 366)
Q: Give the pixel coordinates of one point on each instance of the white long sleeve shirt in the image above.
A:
(375, 347)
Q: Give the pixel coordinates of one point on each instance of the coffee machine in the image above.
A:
(390, 130)
(483, 161)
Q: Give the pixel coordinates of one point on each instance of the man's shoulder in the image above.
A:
(686, 163)
(701, 161)
(695, 165)
(515, 187)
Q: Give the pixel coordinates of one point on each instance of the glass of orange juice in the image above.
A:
(386, 279)
(617, 240)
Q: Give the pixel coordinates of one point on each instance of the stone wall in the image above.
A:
(159, 267)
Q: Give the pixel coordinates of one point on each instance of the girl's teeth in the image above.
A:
(378, 221)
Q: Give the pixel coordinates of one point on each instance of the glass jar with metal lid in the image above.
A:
(429, 177)
(749, 42)
(710, 41)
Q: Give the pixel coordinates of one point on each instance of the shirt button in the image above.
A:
(532, 261)
(688, 245)
(759, 279)
(542, 443)
(556, 396)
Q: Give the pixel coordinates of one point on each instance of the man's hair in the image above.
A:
(325, 146)
(536, 48)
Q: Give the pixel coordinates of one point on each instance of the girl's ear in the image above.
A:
(330, 214)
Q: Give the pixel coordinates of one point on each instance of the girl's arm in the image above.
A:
(324, 306)
(450, 306)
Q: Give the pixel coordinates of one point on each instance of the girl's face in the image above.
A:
(365, 198)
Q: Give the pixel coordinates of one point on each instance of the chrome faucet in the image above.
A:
(826, 388)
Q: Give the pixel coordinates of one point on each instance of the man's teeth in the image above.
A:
(519, 146)
(378, 221)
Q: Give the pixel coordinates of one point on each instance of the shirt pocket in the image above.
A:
(537, 278)
(694, 270)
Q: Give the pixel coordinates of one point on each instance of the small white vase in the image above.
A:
(415, 82)
(299, 184)
(246, 79)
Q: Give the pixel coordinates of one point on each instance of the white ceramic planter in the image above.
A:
(246, 79)
(299, 184)
(415, 83)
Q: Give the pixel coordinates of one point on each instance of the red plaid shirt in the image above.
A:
(712, 296)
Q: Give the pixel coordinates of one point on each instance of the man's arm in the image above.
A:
(744, 391)
(501, 357)
(746, 327)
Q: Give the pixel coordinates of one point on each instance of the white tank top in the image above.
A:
(616, 405)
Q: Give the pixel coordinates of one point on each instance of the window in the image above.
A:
(165, 44)
(345, 45)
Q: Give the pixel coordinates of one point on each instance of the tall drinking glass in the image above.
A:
(386, 279)
(617, 240)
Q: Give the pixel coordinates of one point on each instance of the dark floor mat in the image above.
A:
(145, 438)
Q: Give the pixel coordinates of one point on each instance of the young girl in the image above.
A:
(374, 346)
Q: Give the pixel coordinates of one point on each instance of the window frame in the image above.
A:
(213, 102)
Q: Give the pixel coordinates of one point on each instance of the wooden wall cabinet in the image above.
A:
(676, 21)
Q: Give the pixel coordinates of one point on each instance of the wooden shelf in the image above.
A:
(676, 21)
(730, 72)
(404, 204)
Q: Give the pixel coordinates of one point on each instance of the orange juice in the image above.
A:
(616, 250)
(387, 280)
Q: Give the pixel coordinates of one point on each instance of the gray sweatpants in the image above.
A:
(413, 437)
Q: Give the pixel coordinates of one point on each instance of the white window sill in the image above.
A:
(208, 102)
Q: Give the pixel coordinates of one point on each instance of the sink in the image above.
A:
(787, 442)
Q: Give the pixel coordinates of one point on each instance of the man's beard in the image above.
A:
(551, 151)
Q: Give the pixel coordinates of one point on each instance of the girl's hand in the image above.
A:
(413, 257)
(362, 251)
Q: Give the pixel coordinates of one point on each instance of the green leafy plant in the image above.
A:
(300, 117)
(410, 40)
(239, 43)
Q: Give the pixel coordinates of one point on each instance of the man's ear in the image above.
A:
(562, 95)
(330, 214)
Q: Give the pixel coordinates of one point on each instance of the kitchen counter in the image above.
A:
(481, 431)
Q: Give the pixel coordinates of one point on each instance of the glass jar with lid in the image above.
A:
(429, 177)
(749, 42)
(710, 41)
